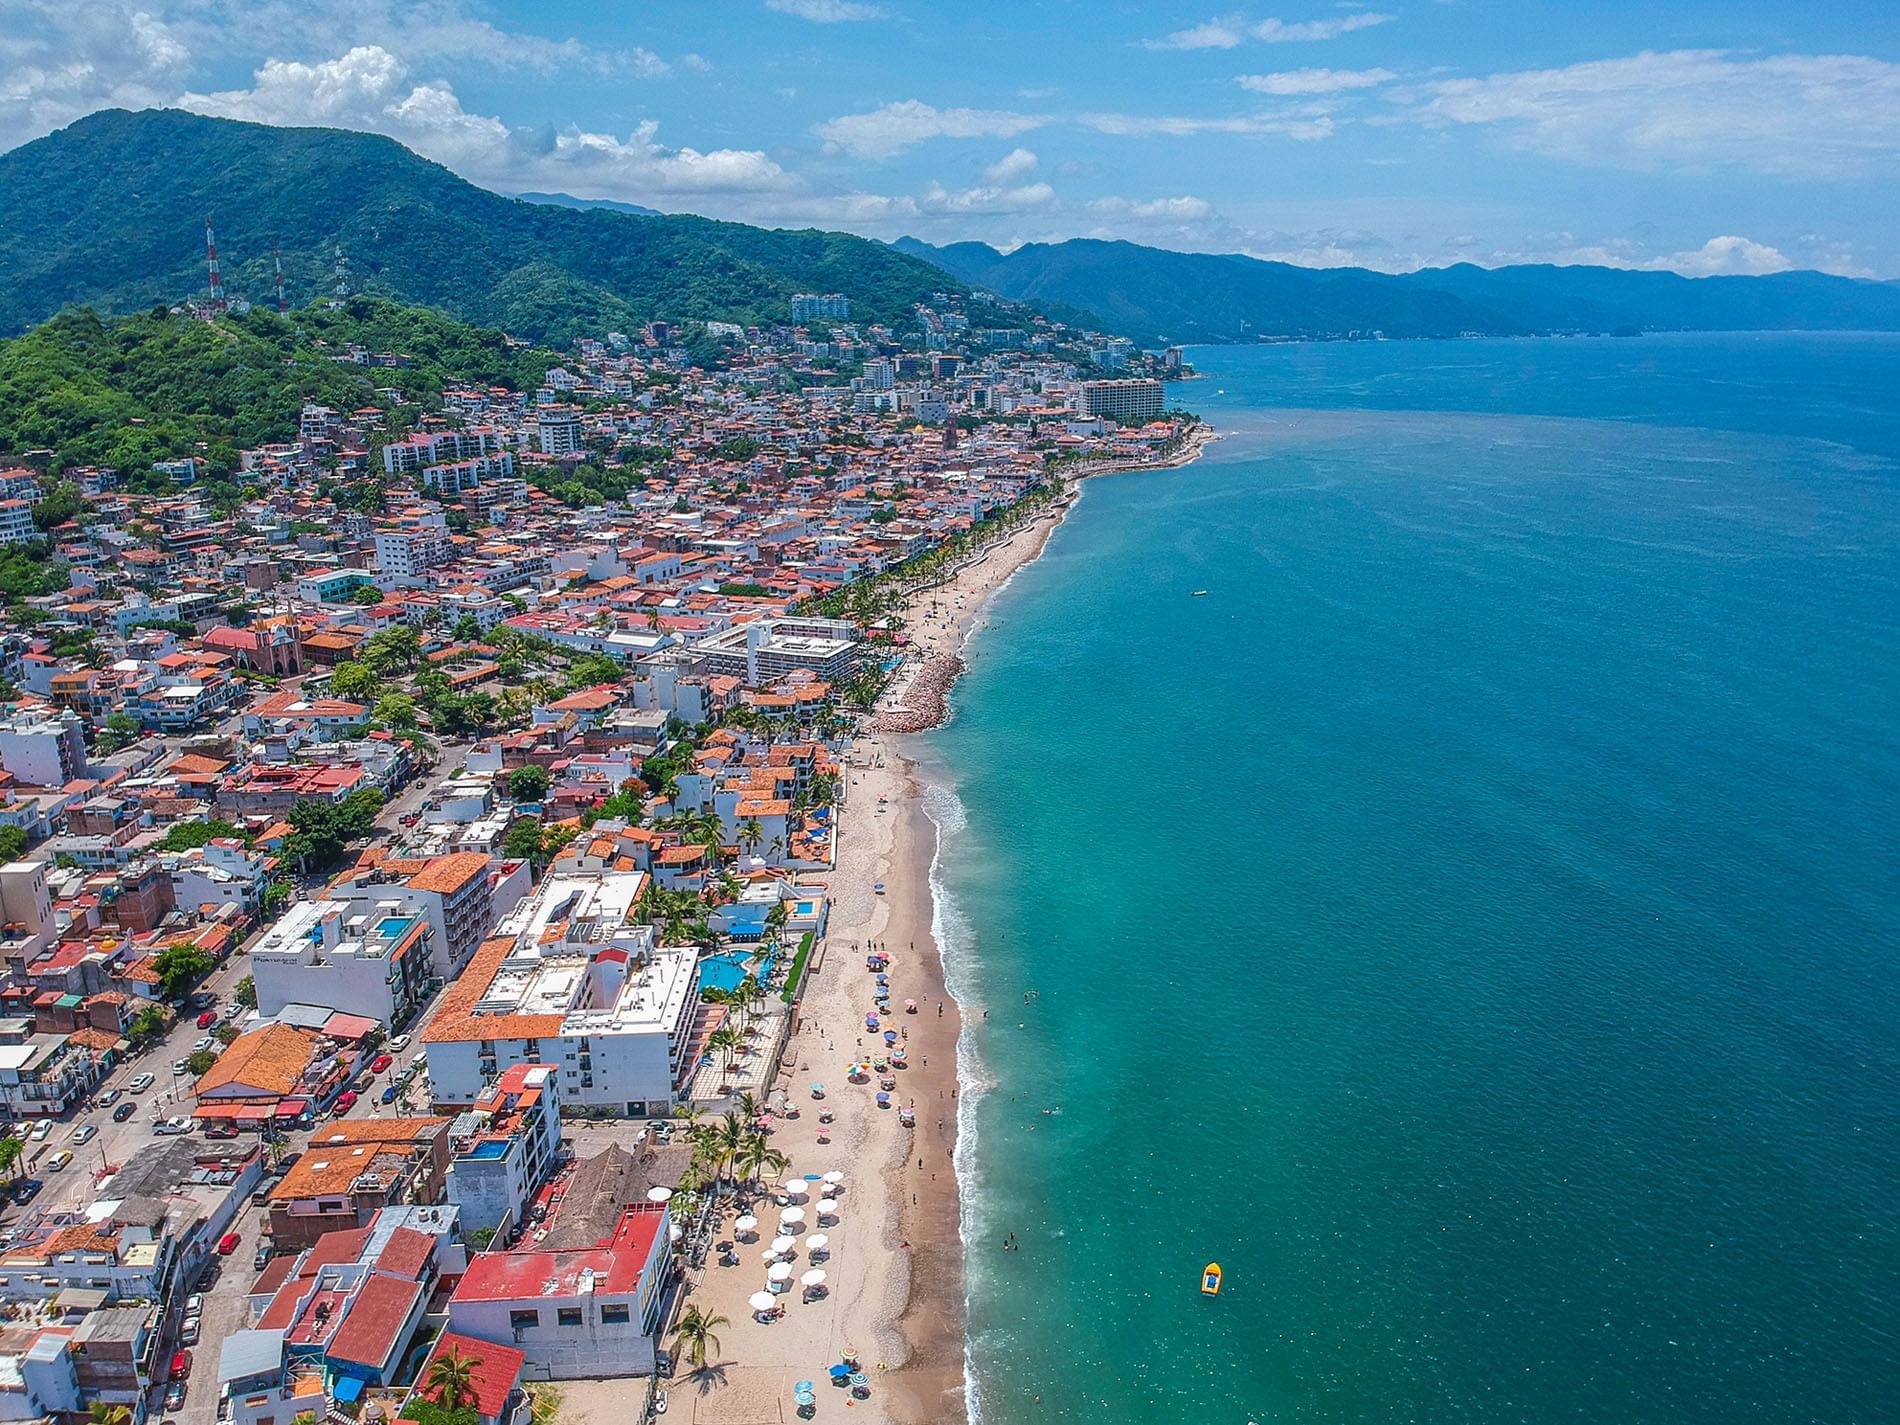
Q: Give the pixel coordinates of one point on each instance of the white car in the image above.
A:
(170, 1126)
(398, 1044)
(42, 1130)
(87, 1132)
(141, 1083)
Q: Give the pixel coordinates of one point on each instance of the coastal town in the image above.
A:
(466, 911)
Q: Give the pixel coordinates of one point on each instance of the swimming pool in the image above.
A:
(391, 927)
(724, 972)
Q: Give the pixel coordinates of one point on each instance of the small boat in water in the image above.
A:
(1200, 593)
(1210, 1279)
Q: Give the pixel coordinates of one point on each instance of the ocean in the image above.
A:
(1472, 923)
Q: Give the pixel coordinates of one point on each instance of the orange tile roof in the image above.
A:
(455, 1020)
(270, 1060)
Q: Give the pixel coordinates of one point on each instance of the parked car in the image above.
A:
(345, 1101)
(203, 999)
(141, 1083)
(26, 1189)
(87, 1132)
(188, 1333)
(59, 1160)
(42, 1130)
(205, 1045)
(124, 1111)
(179, 1066)
(221, 1130)
(227, 1244)
(262, 1259)
(175, 1395)
(166, 1127)
(389, 1094)
(207, 1019)
(399, 1043)
(110, 1097)
(379, 1063)
(181, 1365)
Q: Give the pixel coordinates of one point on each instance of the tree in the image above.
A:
(352, 681)
(751, 833)
(104, 1413)
(394, 650)
(10, 1150)
(528, 784)
(121, 730)
(200, 1062)
(367, 596)
(180, 967)
(277, 895)
(13, 843)
(245, 995)
(397, 710)
(184, 835)
(523, 839)
(467, 629)
(147, 1025)
(697, 1334)
(451, 1376)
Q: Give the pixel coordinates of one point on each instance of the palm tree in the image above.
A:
(696, 1335)
(757, 1157)
(751, 833)
(451, 1376)
(748, 1106)
(105, 1414)
(728, 1137)
(725, 1038)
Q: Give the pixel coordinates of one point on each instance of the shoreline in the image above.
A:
(894, 1287)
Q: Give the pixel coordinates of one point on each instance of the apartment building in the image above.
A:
(1131, 402)
(368, 958)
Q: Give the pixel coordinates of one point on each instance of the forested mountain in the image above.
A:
(1156, 295)
(110, 211)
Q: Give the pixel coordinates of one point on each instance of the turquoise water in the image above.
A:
(728, 972)
(1472, 923)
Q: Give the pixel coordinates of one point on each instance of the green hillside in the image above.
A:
(110, 211)
(125, 391)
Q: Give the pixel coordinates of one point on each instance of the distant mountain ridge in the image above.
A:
(110, 211)
(1156, 295)
(568, 200)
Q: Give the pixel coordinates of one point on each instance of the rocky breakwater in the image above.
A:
(927, 701)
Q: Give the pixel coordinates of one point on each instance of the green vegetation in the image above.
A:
(528, 784)
(797, 972)
(180, 967)
(186, 834)
(245, 995)
(13, 843)
(115, 199)
(147, 1025)
(199, 1062)
(321, 830)
(128, 391)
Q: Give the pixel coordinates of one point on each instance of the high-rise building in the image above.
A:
(1133, 402)
(810, 306)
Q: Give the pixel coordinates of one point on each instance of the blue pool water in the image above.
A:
(727, 972)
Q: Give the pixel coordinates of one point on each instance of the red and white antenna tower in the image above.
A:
(277, 261)
(217, 278)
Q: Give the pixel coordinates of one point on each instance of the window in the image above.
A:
(522, 1320)
(613, 1315)
(568, 1316)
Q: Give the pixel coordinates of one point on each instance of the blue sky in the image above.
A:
(1704, 137)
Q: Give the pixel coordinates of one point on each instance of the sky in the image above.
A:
(1733, 136)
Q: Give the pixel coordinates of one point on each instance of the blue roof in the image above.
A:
(347, 1388)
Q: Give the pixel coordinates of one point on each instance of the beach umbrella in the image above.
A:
(827, 1207)
(748, 1223)
(762, 1301)
(883, 1100)
(833, 1178)
(794, 1187)
(870, 1021)
(817, 1242)
(890, 1036)
(814, 1277)
(779, 1272)
(910, 1006)
(840, 1372)
(674, 1232)
(659, 1194)
(783, 1244)
(792, 1214)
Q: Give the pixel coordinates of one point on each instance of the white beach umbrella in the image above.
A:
(795, 1187)
(659, 1194)
(817, 1242)
(833, 1178)
(779, 1272)
(748, 1223)
(814, 1277)
(827, 1207)
(792, 1214)
(783, 1244)
(762, 1301)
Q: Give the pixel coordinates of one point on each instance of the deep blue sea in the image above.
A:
(1472, 924)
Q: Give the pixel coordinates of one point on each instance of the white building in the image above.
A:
(571, 978)
(44, 749)
(365, 958)
(505, 1147)
(1133, 402)
(409, 552)
(456, 893)
(559, 428)
(769, 648)
(16, 522)
(577, 1314)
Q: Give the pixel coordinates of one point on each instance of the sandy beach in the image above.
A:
(894, 1278)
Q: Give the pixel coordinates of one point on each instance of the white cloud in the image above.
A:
(1314, 81)
(1305, 127)
(369, 88)
(825, 12)
(1215, 34)
(1718, 257)
(59, 61)
(1280, 32)
(1017, 163)
(890, 130)
(1804, 116)
(1184, 209)
(987, 199)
